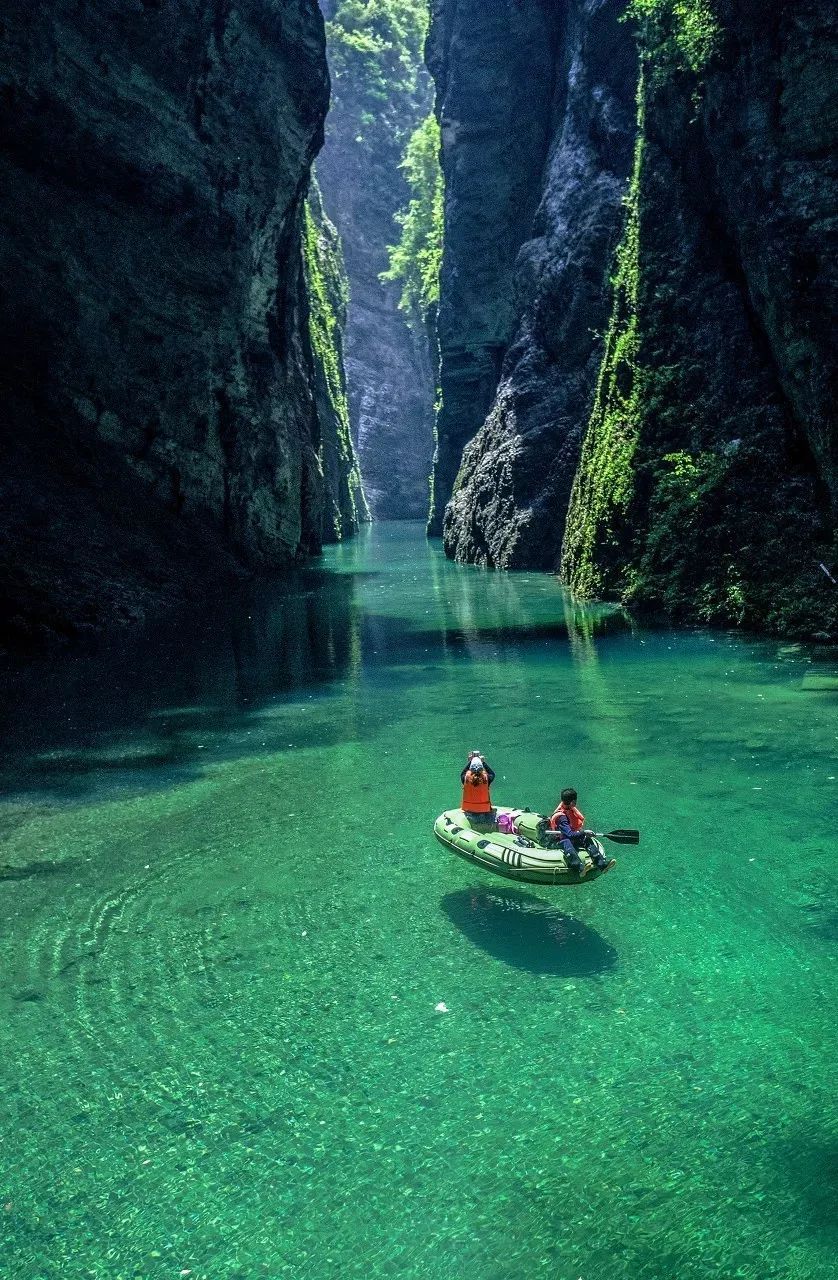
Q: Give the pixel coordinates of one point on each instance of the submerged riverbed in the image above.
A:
(228, 933)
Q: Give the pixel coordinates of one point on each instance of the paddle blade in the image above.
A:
(622, 836)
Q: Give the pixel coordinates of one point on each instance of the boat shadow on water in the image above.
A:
(526, 932)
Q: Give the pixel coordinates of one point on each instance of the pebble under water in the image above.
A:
(256, 1022)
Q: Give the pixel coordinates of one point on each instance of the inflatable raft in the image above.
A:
(518, 857)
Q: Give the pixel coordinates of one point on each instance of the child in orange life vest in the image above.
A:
(569, 822)
(476, 778)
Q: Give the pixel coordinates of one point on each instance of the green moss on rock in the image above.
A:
(703, 487)
(328, 295)
(675, 35)
(604, 482)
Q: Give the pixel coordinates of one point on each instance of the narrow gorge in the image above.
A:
(418, 611)
(381, 103)
(610, 316)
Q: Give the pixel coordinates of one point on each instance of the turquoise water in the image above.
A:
(226, 931)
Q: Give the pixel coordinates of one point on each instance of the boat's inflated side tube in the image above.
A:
(517, 857)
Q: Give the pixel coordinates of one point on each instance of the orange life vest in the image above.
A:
(574, 816)
(476, 792)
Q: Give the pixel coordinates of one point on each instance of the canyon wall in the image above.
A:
(494, 63)
(708, 482)
(666, 358)
(161, 420)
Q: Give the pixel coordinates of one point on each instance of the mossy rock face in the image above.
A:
(344, 504)
(672, 308)
(706, 490)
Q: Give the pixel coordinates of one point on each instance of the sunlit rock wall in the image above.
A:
(494, 64)
(672, 304)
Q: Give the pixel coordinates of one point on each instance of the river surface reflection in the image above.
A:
(255, 1021)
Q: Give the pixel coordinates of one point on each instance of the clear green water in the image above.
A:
(225, 928)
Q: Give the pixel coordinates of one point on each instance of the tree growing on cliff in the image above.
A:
(675, 32)
(415, 260)
(375, 56)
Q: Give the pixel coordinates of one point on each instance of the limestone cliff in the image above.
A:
(673, 303)
(161, 422)
(524, 289)
(708, 479)
(494, 63)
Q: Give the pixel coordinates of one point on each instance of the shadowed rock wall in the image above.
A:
(160, 417)
(708, 478)
(673, 306)
(494, 64)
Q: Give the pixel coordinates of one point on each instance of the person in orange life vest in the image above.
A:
(476, 778)
(569, 823)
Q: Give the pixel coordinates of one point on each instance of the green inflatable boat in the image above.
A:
(517, 857)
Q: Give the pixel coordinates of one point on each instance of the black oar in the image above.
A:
(622, 835)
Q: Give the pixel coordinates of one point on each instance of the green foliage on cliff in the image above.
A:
(375, 57)
(690, 499)
(604, 481)
(675, 33)
(715, 552)
(686, 496)
(328, 296)
(415, 260)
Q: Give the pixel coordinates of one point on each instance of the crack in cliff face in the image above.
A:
(220, 17)
(225, 426)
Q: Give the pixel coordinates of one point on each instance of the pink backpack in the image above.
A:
(505, 825)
